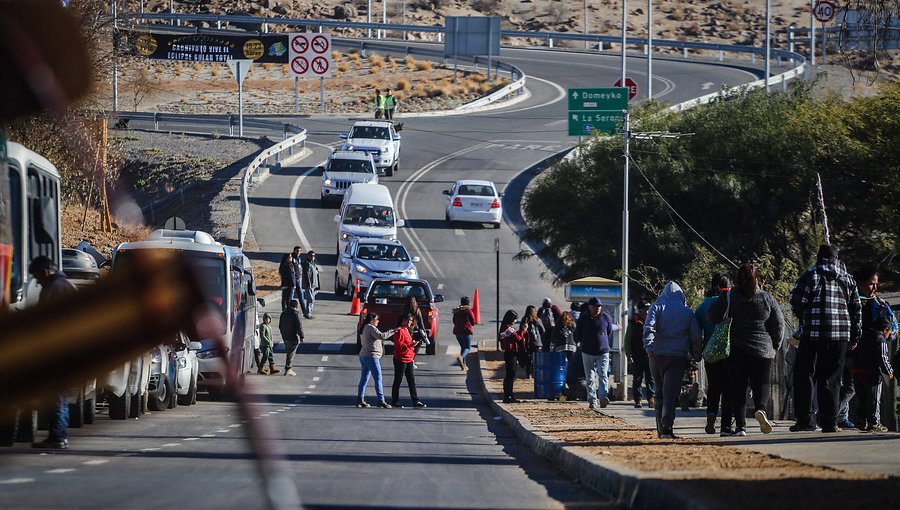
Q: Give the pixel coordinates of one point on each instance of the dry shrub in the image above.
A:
(393, 65)
(692, 30)
(410, 62)
(424, 65)
(336, 56)
(443, 90)
(677, 14)
(420, 90)
(356, 59)
(215, 70)
(198, 67)
(268, 66)
(343, 67)
(179, 69)
(403, 85)
(376, 60)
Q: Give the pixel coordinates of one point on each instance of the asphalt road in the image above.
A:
(451, 455)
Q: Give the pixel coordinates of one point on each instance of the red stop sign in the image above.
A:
(632, 86)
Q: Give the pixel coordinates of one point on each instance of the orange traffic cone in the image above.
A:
(476, 309)
(355, 305)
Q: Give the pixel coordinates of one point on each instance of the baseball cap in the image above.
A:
(595, 301)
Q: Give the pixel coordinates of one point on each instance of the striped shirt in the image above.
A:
(826, 301)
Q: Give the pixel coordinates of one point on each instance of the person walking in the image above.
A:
(266, 347)
(592, 332)
(379, 104)
(404, 355)
(370, 360)
(575, 310)
(716, 373)
(870, 361)
(310, 283)
(534, 337)
(417, 330)
(297, 263)
(563, 336)
(826, 301)
(288, 280)
(291, 328)
(671, 335)
(463, 329)
(390, 104)
(512, 343)
(757, 328)
(55, 287)
(637, 356)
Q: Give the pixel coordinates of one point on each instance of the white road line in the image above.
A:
(95, 462)
(440, 286)
(312, 386)
(234, 425)
(11, 481)
(208, 435)
(191, 438)
(307, 392)
(293, 202)
(403, 194)
(223, 431)
(459, 232)
(171, 445)
(149, 449)
(560, 95)
(320, 369)
(59, 471)
(316, 379)
(324, 358)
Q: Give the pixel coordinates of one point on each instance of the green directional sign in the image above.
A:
(597, 109)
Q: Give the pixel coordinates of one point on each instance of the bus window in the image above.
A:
(15, 206)
(43, 197)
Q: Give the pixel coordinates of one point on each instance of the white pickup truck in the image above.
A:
(380, 139)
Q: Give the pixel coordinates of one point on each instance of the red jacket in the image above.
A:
(463, 321)
(403, 345)
(511, 340)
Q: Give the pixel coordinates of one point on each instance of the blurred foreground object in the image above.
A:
(44, 349)
(43, 59)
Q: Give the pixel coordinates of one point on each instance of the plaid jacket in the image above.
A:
(826, 301)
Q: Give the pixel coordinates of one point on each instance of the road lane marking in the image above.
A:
(307, 392)
(191, 438)
(324, 358)
(320, 369)
(11, 481)
(60, 470)
(208, 435)
(459, 232)
(440, 286)
(234, 425)
(95, 462)
(149, 449)
(312, 386)
(316, 379)
(223, 431)
(171, 445)
(295, 220)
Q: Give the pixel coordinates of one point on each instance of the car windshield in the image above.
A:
(477, 190)
(372, 215)
(351, 165)
(381, 252)
(371, 132)
(399, 290)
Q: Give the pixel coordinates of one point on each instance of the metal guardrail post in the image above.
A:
(721, 55)
(231, 125)
(550, 41)
(285, 132)
(685, 53)
(156, 121)
(265, 28)
(599, 45)
(752, 58)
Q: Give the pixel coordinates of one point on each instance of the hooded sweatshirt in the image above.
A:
(671, 328)
(826, 301)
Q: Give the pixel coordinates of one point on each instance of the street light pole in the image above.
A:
(624, 29)
(812, 32)
(497, 290)
(625, 309)
(585, 24)
(649, 49)
(768, 43)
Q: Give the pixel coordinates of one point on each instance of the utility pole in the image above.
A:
(497, 290)
(626, 310)
(115, 59)
(585, 24)
(624, 30)
(768, 43)
(649, 50)
(812, 32)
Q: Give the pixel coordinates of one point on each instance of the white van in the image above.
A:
(367, 211)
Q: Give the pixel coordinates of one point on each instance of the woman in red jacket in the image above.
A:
(404, 355)
(513, 344)
(463, 328)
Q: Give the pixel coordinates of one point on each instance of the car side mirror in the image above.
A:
(415, 259)
(337, 218)
(446, 192)
(195, 346)
(396, 138)
(343, 136)
(438, 298)
(401, 223)
(320, 169)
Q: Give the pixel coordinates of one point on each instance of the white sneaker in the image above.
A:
(290, 371)
(764, 424)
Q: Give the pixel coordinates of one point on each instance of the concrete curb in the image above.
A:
(625, 486)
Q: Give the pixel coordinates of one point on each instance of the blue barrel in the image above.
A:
(549, 374)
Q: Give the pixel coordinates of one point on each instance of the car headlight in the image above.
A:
(326, 183)
(362, 269)
(345, 236)
(411, 273)
(210, 354)
(182, 362)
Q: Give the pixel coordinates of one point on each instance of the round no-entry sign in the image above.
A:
(824, 11)
(632, 86)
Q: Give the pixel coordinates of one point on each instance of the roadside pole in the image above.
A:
(497, 292)
(624, 33)
(322, 94)
(812, 32)
(649, 49)
(240, 68)
(115, 59)
(296, 94)
(626, 311)
(768, 42)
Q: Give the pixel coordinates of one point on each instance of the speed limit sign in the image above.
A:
(824, 11)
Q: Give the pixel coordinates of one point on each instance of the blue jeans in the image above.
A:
(309, 297)
(465, 345)
(370, 366)
(596, 368)
(59, 420)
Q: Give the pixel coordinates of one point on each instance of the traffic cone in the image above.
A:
(355, 305)
(476, 309)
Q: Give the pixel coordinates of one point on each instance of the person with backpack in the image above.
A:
(637, 356)
(512, 343)
(549, 314)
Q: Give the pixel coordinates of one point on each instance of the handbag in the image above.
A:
(719, 345)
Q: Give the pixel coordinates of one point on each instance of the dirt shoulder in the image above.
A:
(716, 474)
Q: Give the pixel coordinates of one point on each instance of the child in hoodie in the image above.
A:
(671, 337)
(870, 361)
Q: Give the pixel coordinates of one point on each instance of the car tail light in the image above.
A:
(364, 312)
(496, 204)
(457, 202)
(430, 314)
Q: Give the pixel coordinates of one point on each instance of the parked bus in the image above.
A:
(226, 277)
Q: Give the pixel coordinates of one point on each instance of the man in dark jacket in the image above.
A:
(54, 287)
(291, 328)
(826, 301)
(310, 282)
(288, 279)
(640, 362)
(593, 331)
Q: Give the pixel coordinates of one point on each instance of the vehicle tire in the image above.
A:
(191, 396)
(338, 290)
(90, 409)
(159, 400)
(216, 394)
(137, 405)
(119, 407)
(389, 171)
(496, 225)
(76, 411)
(173, 396)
